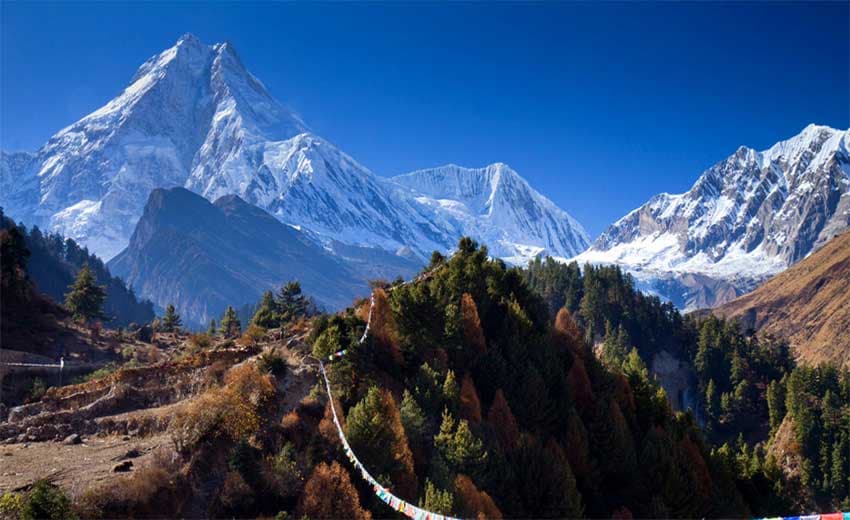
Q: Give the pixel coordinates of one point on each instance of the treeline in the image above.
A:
(53, 264)
(469, 396)
(605, 302)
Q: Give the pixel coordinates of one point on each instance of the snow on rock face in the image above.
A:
(746, 218)
(497, 207)
(193, 116)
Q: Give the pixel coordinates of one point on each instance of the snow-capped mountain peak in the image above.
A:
(193, 116)
(745, 218)
(498, 206)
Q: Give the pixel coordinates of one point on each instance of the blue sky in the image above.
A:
(599, 106)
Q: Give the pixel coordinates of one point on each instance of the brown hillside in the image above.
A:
(809, 304)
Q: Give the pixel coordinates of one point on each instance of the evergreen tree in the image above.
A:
(266, 315)
(458, 446)
(712, 402)
(437, 500)
(413, 419)
(291, 304)
(171, 321)
(230, 324)
(775, 404)
(85, 299)
(375, 431)
(212, 330)
(451, 390)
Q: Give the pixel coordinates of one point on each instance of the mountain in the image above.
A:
(498, 207)
(809, 304)
(746, 218)
(193, 116)
(229, 253)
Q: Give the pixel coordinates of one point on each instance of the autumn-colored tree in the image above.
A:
(473, 334)
(578, 447)
(329, 493)
(566, 333)
(503, 421)
(375, 432)
(474, 503)
(382, 328)
(470, 406)
(580, 385)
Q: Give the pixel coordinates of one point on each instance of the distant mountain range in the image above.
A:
(745, 219)
(194, 117)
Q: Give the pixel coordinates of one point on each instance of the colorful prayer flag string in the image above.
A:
(409, 510)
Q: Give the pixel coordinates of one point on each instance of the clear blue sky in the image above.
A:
(599, 106)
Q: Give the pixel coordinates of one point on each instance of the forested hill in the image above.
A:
(468, 398)
(53, 264)
(783, 430)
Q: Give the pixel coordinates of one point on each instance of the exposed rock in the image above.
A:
(74, 438)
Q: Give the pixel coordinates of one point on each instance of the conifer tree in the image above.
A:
(230, 325)
(451, 391)
(212, 330)
(291, 304)
(375, 431)
(503, 421)
(329, 493)
(437, 500)
(171, 320)
(85, 299)
(470, 406)
(458, 446)
(712, 402)
(473, 335)
(413, 419)
(775, 403)
(266, 315)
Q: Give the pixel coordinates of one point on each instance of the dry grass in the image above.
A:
(809, 304)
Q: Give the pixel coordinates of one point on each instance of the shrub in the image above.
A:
(11, 505)
(272, 363)
(46, 501)
(253, 335)
(37, 389)
(232, 410)
(200, 341)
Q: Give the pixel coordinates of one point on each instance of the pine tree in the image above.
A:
(266, 315)
(85, 299)
(171, 321)
(503, 421)
(375, 431)
(470, 406)
(473, 335)
(329, 493)
(291, 304)
(712, 402)
(437, 500)
(230, 324)
(840, 471)
(212, 330)
(451, 391)
(775, 403)
(458, 446)
(413, 419)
